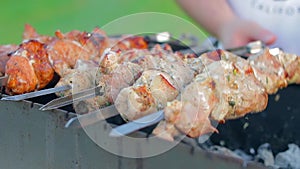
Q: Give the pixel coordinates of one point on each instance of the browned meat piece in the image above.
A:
(168, 62)
(165, 74)
(115, 75)
(191, 114)
(75, 45)
(85, 64)
(112, 59)
(225, 91)
(123, 76)
(21, 75)
(133, 103)
(198, 64)
(109, 61)
(137, 42)
(78, 79)
(34, 59)
(132, 55)
(81, 76)
(94, 42)
(195, 64)
(64, 53)
(72, 35)
(269, 71)
(38, 56)
(126, 43)
(150, 93)
(31, 34)
(5, 50)
(291, 63)
(165, 131)
(64, 50)
(112, 77)
(237, 86)
(68, 79)
(83, 80)
(111, 84)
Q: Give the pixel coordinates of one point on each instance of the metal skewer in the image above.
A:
(91, 118)
(67, 100)
(37, 93)
(243, 51)
(137, 124)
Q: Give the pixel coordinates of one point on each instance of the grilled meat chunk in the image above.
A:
(237, 85)
(291, 63)
(191, 114)
(33, 70)
(224, 91)
(93, 42)
(5, 51)
(21, 75)
(165, 74)
(269, 71)
(110, 86)
(38, 56)
(31, 34)
(81, 76)
(63, 50)
(128, 42)
(166, 131)
(64, 53)
(150, 93)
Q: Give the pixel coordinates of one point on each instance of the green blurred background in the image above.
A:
(66, 15)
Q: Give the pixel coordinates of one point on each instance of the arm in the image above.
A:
(218, 19)
(210, 14)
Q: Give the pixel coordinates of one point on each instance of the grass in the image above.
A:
(66, 15)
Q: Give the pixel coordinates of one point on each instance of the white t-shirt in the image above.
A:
(282, 17)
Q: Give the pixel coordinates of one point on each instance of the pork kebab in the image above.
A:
(121, 70)
(163, 74)
(32, 65)
(231, 88)
(111, 60)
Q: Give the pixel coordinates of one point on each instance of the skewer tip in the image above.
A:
(4, 98)
(10, 98)
(43, 108)
(115, 133)
(69, 123)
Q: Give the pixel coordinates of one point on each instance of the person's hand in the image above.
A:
(240, 32)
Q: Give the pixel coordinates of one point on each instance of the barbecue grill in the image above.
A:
(31, 138)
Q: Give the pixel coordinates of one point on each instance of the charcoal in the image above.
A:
(265, 154)
(289, 158)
